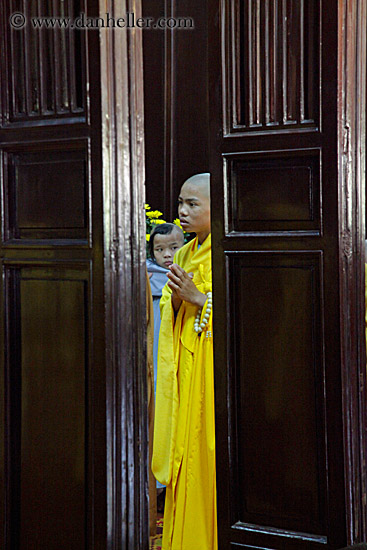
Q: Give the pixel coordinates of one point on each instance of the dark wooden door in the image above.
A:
(286, 386)
(73, 400)
(175, 101)
(52, 381)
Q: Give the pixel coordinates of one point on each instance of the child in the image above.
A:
(165, 240)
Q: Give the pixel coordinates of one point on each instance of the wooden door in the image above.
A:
(52, 286)
(175, 102)
(286, 149)
(73, 367)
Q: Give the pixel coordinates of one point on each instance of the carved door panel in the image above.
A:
(278, 370)
(53, 436)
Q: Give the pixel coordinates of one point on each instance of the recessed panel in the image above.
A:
(45, 67)
(270, 192)
(273, 52)
(48, 415)
(280, 475)
(46, 195)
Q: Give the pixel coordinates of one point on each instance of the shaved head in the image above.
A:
(194, 205)
(201, 182)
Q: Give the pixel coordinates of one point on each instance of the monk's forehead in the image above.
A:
(199, 189)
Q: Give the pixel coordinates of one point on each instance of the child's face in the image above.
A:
(165, 247)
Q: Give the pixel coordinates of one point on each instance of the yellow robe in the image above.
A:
(184, 431)
(150, 372)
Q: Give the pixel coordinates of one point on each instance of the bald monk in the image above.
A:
(184, 437)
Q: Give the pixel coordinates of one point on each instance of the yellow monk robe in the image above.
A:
(150, 372)
(184, 436)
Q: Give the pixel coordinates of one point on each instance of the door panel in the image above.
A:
(53, 354)
(273, 74)
(291, 204)
(46, 191)
(48, 315)
(278, 371)
(46, 70)
(175, 101)
(279, 474)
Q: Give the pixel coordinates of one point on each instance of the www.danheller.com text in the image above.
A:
(19, 20)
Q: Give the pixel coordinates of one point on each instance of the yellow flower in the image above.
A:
(147, 207)
(147, 237)
(158, 222)
(154, 214)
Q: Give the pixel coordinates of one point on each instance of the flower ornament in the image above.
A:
(152, 218)
(154, 214)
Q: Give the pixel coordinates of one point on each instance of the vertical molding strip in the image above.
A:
(284, 60)
(275, 116)
(71, 45)
(259, 107)
(234, 75)
(267, 61)
(42, 65)
(302, 61)
(57, 62)
(250, 65)
(27, 62)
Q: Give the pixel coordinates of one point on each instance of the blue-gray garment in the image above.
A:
(157, 282)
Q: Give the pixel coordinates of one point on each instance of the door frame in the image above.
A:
(124, 254)
(352, 84)
(124, 264)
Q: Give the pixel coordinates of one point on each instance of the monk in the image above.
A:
(184, 434)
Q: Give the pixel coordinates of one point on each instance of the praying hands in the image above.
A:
(183, 288)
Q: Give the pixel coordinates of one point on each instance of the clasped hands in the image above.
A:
(183, 288)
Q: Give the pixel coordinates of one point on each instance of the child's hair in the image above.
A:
(162, 229)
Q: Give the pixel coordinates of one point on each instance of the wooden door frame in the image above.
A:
(352, 233)
(124, 261)
(124, 253)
